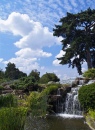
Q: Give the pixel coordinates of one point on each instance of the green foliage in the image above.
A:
(51, 88)
(12, 118)
(8, 100)
(35, 74)
(12, 72)
(78, 32)
(87, 96)
(37, 102)
(90, 73)
(91, 113)
(24, 82)
(2, 74)
(49, 77)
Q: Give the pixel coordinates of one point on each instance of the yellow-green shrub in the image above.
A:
(90, 73)
(37, 102)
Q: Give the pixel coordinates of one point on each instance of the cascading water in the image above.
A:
(72, 105)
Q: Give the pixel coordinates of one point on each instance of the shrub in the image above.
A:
(87, 96)
(49, 77)
(51, 88)
(90, 73)
(8, 100)
(37, 102)
(24, 83)
(12, 118)
(91, 113)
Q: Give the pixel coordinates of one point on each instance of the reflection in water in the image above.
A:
(34, 123)
(55, 123)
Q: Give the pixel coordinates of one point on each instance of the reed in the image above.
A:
(12, 118)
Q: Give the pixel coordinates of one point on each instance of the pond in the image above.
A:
(56, 123)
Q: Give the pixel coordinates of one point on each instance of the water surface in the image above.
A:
(60, 123)
(56, 123)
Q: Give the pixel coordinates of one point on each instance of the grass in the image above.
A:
(12, 118)
(8, 100)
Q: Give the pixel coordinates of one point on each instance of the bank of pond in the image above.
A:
(44, 106)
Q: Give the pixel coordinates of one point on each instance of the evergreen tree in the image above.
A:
(78, 32)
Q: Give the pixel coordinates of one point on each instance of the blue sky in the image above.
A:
(26, 36)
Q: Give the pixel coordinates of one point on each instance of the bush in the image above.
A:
(91, 113)
(12, 118)
(49, 77)
(87, 96)
(90, 73)
(37, 102)
(51, 88)
(24, 83)
(8, 101)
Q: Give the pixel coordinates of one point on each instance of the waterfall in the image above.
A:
(59, 103)
(72, 105)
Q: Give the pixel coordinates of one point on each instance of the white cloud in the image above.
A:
(61, 53)
(33, 34)
(18, 24)
(56, 62)
(24, 64)
(1, 59)
(39, 37)
(29, 53)
(74, 3)
(67, 6)
(33, 38)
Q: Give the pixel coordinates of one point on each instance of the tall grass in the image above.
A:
(12, 118)
(8, 100)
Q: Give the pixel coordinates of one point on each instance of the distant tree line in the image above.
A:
(13, 73)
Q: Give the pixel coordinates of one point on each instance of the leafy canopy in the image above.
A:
(78, 33)
(36, 74)
(12, 72)
(49, 77)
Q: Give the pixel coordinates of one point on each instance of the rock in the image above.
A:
(6, 91)
(7, 87)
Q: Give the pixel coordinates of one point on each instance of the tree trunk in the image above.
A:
(89, 63)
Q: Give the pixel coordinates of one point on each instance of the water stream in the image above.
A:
(72, 105)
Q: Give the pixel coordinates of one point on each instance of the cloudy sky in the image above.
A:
(26, 36)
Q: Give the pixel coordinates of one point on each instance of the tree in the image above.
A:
(49, 77)
(36, 74)
(12, 72)
(78, 32)
(1, 74)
